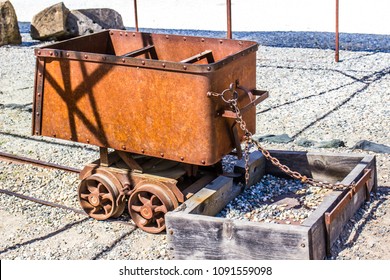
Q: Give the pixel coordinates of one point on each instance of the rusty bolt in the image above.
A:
(126, 34)
(36, 132)
(85, 56)
(112, 33)
(220, 41)
(143, 151)
(39, 94)
(88, 141)
(123, 60)
(203, 162)
(209, 68)
(166, 36)
(51, 53)
(39, 52)
(184, 38)
(54, 135)
(163, 65)
(143, 62)
(182, 158)
(120, 33)
(202, 40)
(37, 113)
(162, 154)
(133, 34)
(67, 54)
(185, 67)
(123, 147)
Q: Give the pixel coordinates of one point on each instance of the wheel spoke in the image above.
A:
(136, 208)
(107, 196)
(143, 199)
(161, 208)
(160, 222)
(84, 196)
(107, 208)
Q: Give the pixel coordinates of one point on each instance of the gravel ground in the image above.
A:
(311, 97)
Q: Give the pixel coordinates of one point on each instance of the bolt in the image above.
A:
(51, 53)
(123, 60)
(303, 245)
(163, 65)
(184, 38)
(39, 52)
(40, 74)
(67, 54)
(203, 162)
(85, 56)
(162, 154)
(37, 114)
(143, 62)
(88, 141)
(171, 232)
(54, 135)
(133, 34)
(123, 147)
(202, 40)
(143, 151)
(209, 68)
(182, 158)
(185, 67)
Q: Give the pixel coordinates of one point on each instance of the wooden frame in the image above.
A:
(194, 233)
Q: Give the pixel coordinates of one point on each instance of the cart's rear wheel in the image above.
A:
(98, 196)
(148, 204)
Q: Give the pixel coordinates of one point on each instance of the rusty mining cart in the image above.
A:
(146, 100)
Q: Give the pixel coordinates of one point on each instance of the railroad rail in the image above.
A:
(35, 162)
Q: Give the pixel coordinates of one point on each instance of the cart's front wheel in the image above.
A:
(98, 197)
(148, 204)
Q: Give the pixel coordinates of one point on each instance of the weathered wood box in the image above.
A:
(194, 232)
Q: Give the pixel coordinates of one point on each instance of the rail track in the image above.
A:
(24, 160)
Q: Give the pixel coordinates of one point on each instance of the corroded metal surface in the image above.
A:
(152, 104)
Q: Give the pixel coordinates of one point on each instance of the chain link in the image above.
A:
(249, 140)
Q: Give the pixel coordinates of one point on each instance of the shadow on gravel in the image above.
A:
(54, 233)
(355, 225)
(113, 244)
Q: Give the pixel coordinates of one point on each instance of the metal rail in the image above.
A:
(56, 205)
(35, 162)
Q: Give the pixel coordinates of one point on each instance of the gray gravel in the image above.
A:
(311, 97)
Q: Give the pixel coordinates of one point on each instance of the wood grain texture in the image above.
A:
(203, 237)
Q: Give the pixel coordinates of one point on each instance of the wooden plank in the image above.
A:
(256, 164)
(354, 204)
(199, 184)
(212, 198)
(203, 237)
(324, 167)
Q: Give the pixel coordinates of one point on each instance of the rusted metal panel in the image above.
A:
(157, 107)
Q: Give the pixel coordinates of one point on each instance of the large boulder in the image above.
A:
(9, 29)
(85, 21)
(58, 23)
(50, 24)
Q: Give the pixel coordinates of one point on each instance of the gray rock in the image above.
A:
(50, 23)
(305, 142)
(334, 143)
(282, 138)
(57, 22)
(9, 29)
(105, 18)
(371, 146)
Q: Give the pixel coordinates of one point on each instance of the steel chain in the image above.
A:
(233, 103)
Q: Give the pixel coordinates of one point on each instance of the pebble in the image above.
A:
(257, 203)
